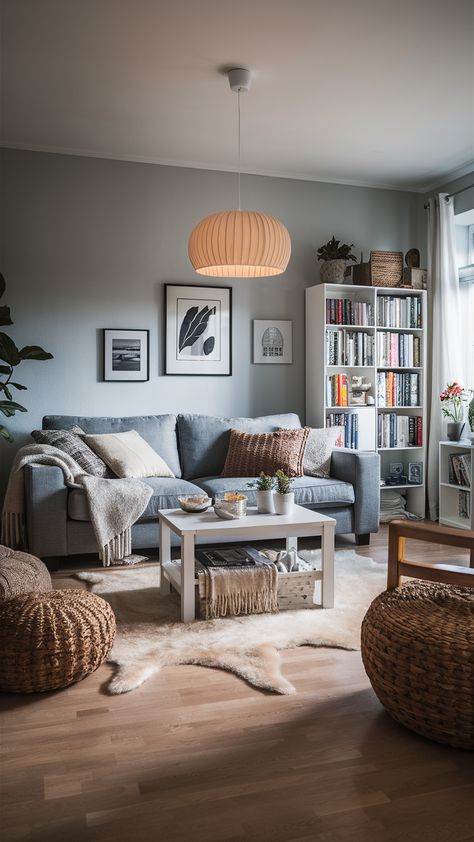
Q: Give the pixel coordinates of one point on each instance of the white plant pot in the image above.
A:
(265, 502)
(284, 503)
(332, 271)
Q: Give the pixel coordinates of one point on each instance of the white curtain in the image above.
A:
(446, 348)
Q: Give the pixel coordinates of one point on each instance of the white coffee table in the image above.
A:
(256, 527)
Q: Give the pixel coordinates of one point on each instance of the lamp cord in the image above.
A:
(238, 146)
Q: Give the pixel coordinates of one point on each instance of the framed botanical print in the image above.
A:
(272, 341)
(126, 354)
(198, 330)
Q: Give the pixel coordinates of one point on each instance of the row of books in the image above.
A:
(350, 422)
(396, 389)
(464, 504)
(349, 347)
(398, 349)
(399, 311)
(337, 392)
(344, 311)
(399, 430)
(459, 466)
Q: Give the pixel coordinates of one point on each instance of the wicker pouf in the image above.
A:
(418, 652)
(52, 639)
(21, 573)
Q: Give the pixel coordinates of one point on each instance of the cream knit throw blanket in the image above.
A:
(238, 590)
(114, 504)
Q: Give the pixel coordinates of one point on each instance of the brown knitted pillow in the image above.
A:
(251, 453)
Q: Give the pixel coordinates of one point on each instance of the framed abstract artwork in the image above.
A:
(198, 330)
(272, 341)
(126, 355)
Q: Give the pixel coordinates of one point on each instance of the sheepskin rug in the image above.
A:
(151, 636)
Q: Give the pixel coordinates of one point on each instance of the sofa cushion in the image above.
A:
(69, 442)
(166, 491)
(158, 430)
(309, 491)
(250, 454)
(204, 439)
(128, 455)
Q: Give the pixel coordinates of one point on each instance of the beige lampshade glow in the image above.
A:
(239, 244)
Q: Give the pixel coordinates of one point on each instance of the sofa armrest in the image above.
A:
(45, 510)
(362, 470)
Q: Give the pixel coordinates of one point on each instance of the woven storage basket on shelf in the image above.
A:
(418, 652)
(52, 639)
(21, 573)
(386, 268)
(296, 590)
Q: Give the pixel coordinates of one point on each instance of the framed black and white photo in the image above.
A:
(198, 330)
(272, 341)
(126, 355)
(415, 473)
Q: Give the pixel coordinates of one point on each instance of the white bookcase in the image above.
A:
(318, 369)
(455, 497)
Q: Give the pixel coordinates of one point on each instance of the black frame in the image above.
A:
(133, 379)
(165, 333)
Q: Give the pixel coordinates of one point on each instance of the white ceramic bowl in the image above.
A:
(194, 503)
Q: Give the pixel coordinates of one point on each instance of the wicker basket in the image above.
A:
(21, 573)
(418, 652)
(296, 590)
(52, 639)
(384, 269)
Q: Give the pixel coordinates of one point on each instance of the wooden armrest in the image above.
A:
(398, 566)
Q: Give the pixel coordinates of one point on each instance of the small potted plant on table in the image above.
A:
(336, 258)
(264, 492)
(284, 497)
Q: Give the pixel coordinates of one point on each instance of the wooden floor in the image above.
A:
(196, 755)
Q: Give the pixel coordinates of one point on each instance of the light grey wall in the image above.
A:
(89, 243)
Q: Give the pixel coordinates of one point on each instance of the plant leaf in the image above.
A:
(5, 318)
(2, 285)
(5, 369)
(34, 352)
(196, 325)
(190, 314)
(208, 346)
(18, 386)
(5, 434)
(4, 388)
(10, 407)
(8, 350)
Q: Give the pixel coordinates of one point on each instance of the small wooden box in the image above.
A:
(415, 278)
(296, 590)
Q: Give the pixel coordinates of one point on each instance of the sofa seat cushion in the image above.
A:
(309, 491)
(166, 491)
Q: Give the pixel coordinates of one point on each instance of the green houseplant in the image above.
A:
(10, 358)
(264, 485)
(284, 497)
(335, 258)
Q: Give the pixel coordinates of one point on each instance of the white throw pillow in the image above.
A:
(128, 455)
(320, 444)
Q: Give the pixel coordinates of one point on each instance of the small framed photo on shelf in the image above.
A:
(198, 330)
(396, 469)
(126, 355)
(272, 341)
(415, 473)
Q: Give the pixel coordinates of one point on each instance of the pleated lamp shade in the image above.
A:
(239, 244)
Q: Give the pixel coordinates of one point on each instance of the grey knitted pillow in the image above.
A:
(71, 443)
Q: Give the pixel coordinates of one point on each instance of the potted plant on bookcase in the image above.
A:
(452, 399)
(264, 485)
(335, 258)
(284, 497)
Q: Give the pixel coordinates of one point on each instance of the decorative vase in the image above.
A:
(454, 430)
(265, 502)
(284, 503)
(332, 271)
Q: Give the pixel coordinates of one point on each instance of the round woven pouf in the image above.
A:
(52, 639)
(418, 652)
(21, 573)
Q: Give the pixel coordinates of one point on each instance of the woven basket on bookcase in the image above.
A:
(386, 268)
(50, 640)
(418, 652)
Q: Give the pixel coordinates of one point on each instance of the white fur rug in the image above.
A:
(151, 636)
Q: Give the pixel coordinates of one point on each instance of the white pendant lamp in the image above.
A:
(239, 244)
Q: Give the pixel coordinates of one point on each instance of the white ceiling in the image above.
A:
(376, 92)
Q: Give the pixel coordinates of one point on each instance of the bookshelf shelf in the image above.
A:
(380, 304)
(455, 499)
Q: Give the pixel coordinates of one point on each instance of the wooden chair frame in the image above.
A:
(450, 574)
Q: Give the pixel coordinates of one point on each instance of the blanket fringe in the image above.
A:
(117, 548)
(244, 602)
(13, 530)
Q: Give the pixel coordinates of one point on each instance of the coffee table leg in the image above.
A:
(165, 555)
(187, 578)
(327, 557)
(291, 544)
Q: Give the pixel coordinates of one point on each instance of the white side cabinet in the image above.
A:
(455, 484)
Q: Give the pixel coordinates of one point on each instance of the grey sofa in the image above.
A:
(195, 448)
